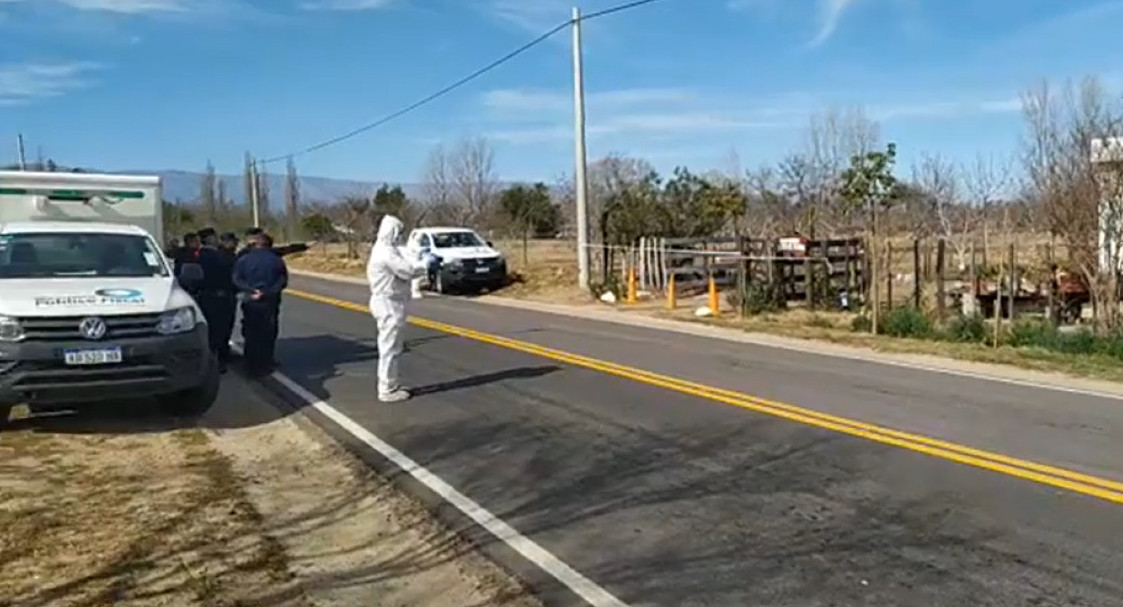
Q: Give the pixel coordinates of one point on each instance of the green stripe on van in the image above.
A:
(71, 194)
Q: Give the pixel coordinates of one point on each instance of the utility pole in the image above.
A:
(254, 198)
(22, 153)
(581, 185)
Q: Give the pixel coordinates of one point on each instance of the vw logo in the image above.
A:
(92, 328)
(118, 293)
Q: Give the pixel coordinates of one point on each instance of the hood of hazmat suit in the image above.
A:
(388, 272)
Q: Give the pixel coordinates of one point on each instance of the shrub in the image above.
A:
(861, 324)
(820, 322)
(756, 298)
(1081, 341)
(907, 321)
(969, 328)
(613, 285)
(1033, 334)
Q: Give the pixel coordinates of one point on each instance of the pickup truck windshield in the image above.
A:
(75, 255)
(446, 240)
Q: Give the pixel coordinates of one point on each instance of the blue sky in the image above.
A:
(159, 84)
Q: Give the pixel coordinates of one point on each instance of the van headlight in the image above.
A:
(10, 329)
(180, 320)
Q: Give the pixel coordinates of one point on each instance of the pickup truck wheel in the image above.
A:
(439, 284)
(5, 414)
(195, 401)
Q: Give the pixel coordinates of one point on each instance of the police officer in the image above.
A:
(217, 299)
(260, 275)
(188, 253)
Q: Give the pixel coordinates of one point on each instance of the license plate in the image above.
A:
(101, 356)
(481, 270)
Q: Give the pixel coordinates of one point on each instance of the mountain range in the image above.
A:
(184, 187)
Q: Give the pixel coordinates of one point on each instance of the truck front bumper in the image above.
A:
(35, 372)
(474, 277)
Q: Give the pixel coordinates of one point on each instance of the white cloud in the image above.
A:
(534, 116)
(830, 15)
(124, 7)
(345, 5)
(28, 82)
(944, 109)
(533, 15)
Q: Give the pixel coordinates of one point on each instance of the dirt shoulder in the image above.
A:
(247, 509)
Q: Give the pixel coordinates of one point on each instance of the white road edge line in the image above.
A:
(580, 585)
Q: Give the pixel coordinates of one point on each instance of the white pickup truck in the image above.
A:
(89, 307)
(467, 262)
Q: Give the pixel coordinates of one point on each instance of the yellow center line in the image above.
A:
(1085, 484)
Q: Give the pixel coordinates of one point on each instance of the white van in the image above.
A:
(89, 307)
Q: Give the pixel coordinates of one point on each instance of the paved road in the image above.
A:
(667, 498)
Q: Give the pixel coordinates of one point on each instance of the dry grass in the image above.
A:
(254, 511)
(140, 519)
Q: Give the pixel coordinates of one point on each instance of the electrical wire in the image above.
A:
(457, 84)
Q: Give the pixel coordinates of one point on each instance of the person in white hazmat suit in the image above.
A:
(390, 275)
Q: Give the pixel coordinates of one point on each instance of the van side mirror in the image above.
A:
(191, 277)
(489, 244)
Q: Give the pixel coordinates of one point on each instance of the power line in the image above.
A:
(459, 83)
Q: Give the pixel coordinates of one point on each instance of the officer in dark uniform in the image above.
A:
(218, 298)
(188, 253)
(260, 275)
(228, 248)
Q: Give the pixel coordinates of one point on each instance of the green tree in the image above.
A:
(317, 225)
(389, 200)
(529, 211)
(868, 185)
(692, 206)
(632, 210)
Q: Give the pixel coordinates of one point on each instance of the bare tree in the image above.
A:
(473, 175)
(438, 188)
(353, 217)
(207, 195)
(1076, 195)
(985, 181)
(292, 200)
(799, 183)
(767, 208)
(833, 138)
(247, 178)
(263, 192)
(940, 183)
(608, 178)
(222, 201)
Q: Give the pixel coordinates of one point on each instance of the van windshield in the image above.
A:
(447, 240)
(75, 255)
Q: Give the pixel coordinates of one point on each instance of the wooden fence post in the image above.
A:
(941, 304)
(916, 273)
(1013, 291)
(888, 275)
(1051, 292)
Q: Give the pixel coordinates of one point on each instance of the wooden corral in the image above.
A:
(838, 267)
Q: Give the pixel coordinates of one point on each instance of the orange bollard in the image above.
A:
(715, 308)
(631, 287)
(672, 302)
